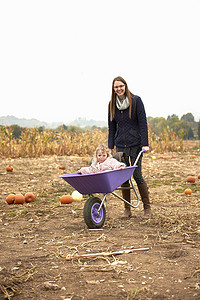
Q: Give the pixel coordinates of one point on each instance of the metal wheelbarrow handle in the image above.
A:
(138, 157)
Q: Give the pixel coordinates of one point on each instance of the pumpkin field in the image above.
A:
(47, 251)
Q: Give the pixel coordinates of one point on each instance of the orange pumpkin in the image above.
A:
(188, 192)
(198, 176)
(191, 179)
(61, 167)
(9, 168)
(19, 199)
(10, 199)
(66, 199)
(29, 197)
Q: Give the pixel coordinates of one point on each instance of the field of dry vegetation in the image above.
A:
(37, 238)
(33, 143)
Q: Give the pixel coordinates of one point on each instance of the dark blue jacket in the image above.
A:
(126, 132)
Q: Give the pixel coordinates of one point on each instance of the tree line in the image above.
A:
(185, 127)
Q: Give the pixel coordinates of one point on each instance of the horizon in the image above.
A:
(196, 119)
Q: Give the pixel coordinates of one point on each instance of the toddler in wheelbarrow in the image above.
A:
(104, 175)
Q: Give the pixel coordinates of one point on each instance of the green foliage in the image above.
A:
(181, 128)
(158, 124)
(188, 117)
(74, 129)
(16, 131)
(173, 118)
(41, 128)
(190, 134)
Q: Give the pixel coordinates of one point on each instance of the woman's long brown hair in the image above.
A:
(113, 97)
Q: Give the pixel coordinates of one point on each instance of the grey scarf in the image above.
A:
(122, 104)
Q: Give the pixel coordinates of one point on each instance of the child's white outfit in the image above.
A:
(109, 164)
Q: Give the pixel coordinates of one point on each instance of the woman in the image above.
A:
(128, 131)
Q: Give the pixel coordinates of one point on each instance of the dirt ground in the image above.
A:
(36, 238)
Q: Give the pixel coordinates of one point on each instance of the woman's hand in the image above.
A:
(110, 152)
(145, 148)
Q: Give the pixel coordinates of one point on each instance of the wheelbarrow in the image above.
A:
(94, 211)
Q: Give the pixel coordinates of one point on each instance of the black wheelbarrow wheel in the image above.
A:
(94, 218)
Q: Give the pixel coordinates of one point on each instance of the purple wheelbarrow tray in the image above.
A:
(102, 182)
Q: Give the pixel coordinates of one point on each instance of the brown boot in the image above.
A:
(126, 194)
(143, 189)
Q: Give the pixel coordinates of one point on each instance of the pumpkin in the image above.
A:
(29, 197)
(9, 168)
(19, 199)
(191, 179)
(10, 199)
(77, 196)
(66, 199)
(188, 192)
(61, 167)
(198, 176)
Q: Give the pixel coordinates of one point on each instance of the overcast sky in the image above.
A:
(58, 58)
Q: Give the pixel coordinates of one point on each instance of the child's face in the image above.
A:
(101, 156)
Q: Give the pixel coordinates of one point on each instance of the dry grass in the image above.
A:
(32, 143)
(49, 142)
